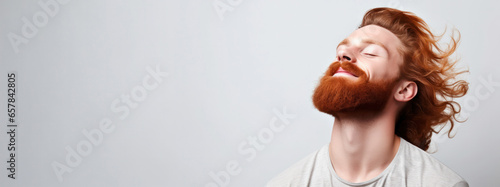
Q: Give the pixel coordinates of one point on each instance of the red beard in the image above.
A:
(336, 95)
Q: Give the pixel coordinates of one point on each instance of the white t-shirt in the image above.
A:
(410, 167)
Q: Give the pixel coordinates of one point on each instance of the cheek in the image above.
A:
(383, 71)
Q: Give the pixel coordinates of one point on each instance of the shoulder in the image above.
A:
(302, 172)
(429, 170)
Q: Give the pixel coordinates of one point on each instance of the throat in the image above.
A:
(361, 151)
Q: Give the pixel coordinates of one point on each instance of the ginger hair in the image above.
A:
(430, 67)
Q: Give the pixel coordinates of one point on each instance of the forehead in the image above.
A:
(376, 35)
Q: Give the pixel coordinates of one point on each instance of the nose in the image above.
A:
(345, 56)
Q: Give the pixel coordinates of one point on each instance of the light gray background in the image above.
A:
(227, 77)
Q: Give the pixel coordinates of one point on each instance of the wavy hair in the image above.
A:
(430, 67)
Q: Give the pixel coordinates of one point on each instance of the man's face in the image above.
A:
(374, 50)
(364, 74)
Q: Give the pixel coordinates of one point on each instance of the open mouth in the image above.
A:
(343, 72)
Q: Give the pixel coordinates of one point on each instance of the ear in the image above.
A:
(406, 91)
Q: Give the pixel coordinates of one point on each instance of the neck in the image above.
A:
(362, 147)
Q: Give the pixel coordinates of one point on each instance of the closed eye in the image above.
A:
(370, 54)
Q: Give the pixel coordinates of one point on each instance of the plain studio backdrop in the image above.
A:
(206, 93)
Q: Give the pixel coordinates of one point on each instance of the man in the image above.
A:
(389, 88)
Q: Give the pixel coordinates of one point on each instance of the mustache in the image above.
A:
(350, 67)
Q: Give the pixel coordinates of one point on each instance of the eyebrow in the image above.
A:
(365, 41)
